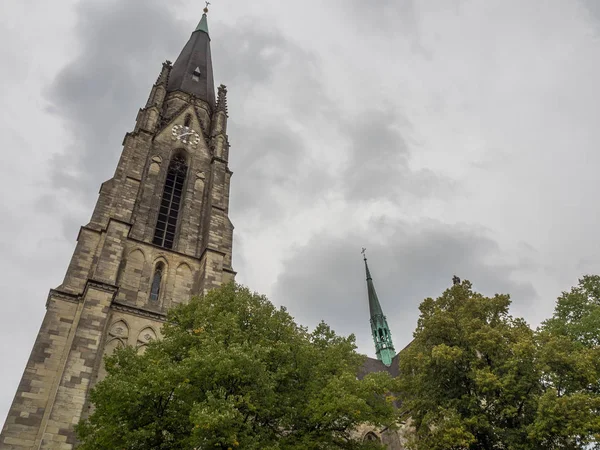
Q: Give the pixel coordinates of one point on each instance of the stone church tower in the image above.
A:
(159, 234)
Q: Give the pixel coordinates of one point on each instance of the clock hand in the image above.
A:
(185, 134)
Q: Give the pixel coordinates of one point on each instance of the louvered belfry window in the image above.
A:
(166, 225)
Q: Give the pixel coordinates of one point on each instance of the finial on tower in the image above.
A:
(363, 252)
(206, 7)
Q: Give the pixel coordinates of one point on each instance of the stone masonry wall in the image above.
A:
(103, 302)
(85, 349)
(27, 414)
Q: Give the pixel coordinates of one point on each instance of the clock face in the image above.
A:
(185, 135)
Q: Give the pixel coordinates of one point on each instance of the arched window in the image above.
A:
(371, 437)
(188, 120)
(166, 225)
(156, 280)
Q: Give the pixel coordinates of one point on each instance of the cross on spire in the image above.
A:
(206, 7)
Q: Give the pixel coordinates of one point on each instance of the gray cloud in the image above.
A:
(338, 110)
(273, 82)
(272, 167)
(379, 17)
(593, 8)
(388, 18)
(264, 61)
(97, 94)
(260, 54)
(379, 159)
(325, 280)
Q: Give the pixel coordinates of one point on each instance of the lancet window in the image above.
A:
(156, 281)
(166, 224)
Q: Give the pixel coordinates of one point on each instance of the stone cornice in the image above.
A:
(216, 158)
(166, 250)
(136, 133)
(64, 296)
(123, 222)
(229, 270)
(97, 229)
(137, 311)
(100, 286)
(191, 99)
(137, 179)
(212, 250)
(90, 227)
(220, 208)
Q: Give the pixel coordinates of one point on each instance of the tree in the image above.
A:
(469, 378)
(569, 342)
(232, 371)
(476, 378)
(577, 313)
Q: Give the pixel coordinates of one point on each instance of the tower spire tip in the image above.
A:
(203, 25)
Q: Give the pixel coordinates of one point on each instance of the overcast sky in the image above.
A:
(446, 136)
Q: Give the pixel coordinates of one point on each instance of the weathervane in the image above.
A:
(363, 253)
(206, 7)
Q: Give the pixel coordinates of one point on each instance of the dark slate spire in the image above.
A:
(382, 337)
(192, 71)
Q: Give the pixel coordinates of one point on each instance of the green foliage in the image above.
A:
(232, 371)
(577, 313)
(476, 378)
(569, 410)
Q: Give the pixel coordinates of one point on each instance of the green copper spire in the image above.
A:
(203, 24)
(382, 337)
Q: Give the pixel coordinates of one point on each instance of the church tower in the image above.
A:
(159, 234)
(382, 336)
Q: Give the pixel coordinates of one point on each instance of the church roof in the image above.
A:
(192, 72)
(372, 365)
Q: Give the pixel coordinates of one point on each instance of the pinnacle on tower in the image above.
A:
(163, 77)
(382, 337)
(222, 98)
